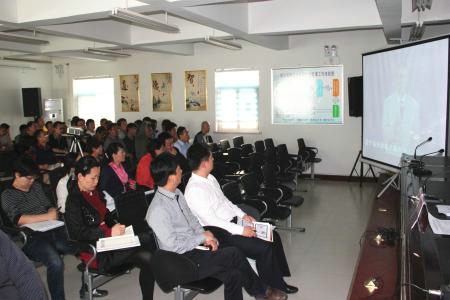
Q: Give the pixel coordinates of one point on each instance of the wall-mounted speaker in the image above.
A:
(32, 103)
(355, 96)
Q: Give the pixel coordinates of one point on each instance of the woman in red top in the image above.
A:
(143, 176)
(88, 219)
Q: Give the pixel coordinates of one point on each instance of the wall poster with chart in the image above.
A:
(195, 90)
(129, 92)
(162, 91)
(308, 95)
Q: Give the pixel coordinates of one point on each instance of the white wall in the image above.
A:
(12, 80)
(338, 145)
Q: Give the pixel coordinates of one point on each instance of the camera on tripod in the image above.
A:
(75, 131)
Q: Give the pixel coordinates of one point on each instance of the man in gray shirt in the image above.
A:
(178, 230)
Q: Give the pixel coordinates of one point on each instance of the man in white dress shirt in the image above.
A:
(208, 203)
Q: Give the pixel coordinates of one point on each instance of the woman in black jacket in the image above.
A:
(88, 219)
(114, 178)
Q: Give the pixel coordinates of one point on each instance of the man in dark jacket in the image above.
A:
(18, 277)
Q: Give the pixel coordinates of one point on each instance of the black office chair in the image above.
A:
(54, 176)
(224, 145)
(184, 181)
(246, 150)
(213, 147)
(174, 272)
(238, 141)
(234, 156)
(259, 147)
(269, 143)
(309, 155)
(131, 209)
(286, 161)
(271, 197)
(232, 191)
(288, 198)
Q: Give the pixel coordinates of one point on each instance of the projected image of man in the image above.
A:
(400, 121)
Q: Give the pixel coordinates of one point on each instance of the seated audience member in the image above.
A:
(40, 123)
(5, 138)
(27, 140)
(49, 127)
(100, 134)
(18, 277)
(22, 132)
(25, 202)
(182, 143)
(103, 122)
(74, 121)
(81, 124)
(154, 125)
(90, 127)
(42, 153)
(88, 219)
(62, 187)
(208, 203)
(177, 230)
(168, 145)
(143, 175)
(202, 136)
(112, 136)
(57, 141)
(143, 136)
(95, 149)
(131, 130)
(171, 128)
(164, 124)
(114, 178)
(122, 128)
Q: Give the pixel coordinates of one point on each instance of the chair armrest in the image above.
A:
(16, 234)
(313, 149)
(256, 203)
(93, 250)
(276, 192)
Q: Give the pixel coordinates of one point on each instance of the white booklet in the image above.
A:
(444, 209)
(263, 230)
(44, 225)
(127, 240)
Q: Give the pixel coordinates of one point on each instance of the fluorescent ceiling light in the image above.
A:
(21, 39)
(141, 20)
(222, 43)
(106, 52)
(17, 67)
(29, 60)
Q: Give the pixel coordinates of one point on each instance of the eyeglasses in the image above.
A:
(32, 177)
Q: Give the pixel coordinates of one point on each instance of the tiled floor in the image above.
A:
(322, 259)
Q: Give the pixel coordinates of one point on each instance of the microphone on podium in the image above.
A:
(422, 143)
(420, 171)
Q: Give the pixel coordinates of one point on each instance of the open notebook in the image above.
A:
(127, 240)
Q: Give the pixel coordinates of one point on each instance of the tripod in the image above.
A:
(361, 173)
(76, 146)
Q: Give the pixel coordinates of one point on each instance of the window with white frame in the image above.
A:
(237, 101)
(94, 98)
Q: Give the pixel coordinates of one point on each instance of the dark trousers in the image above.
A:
(47, 247)
(229, 266)
(134, 257)
(270, 258)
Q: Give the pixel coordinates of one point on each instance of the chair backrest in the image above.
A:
(4, 220)
(234, 155)
(283, 157)
(250, 184)
(238, 141)
(172, 269)
(269, 143)
(232, 191)
(259, 147)
(54, 176)
(213, 147)
(131, 208)
(246, 150)
(271, 155)
(184, 181)
(303, 151)
(270, 175)
(224, 145)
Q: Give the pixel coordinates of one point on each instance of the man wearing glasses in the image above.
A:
(25, 202)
